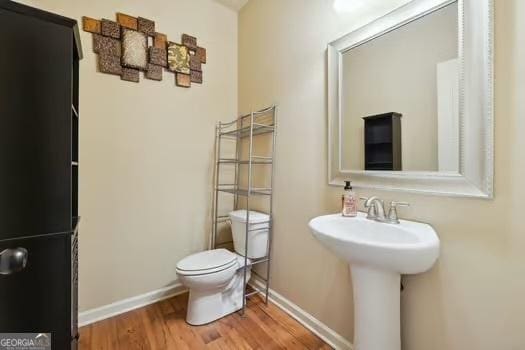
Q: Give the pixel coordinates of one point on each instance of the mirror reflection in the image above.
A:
(400, 98)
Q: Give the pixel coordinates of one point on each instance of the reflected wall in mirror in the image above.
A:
(399, 98)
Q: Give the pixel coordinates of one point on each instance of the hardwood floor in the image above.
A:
(162, 326)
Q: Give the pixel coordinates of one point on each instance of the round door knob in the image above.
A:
(12, 260)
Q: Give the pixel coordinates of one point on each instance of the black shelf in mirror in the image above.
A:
(383, 141)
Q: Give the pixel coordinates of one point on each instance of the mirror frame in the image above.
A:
(476, 107)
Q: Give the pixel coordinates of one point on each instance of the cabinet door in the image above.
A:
(35, 126)
(36, 298)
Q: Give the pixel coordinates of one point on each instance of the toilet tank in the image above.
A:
(257, 233)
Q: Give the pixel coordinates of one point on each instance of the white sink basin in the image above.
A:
(407, 248)
(378, 253)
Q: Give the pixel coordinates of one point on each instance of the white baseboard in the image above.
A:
(121, 306)
(324, 332)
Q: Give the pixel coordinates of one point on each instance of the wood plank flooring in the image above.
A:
(162, 326)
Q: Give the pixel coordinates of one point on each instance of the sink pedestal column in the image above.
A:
(376, 309)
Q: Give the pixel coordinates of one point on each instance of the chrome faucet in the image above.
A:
(376, 210)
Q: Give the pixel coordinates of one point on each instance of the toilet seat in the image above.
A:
(207, 262)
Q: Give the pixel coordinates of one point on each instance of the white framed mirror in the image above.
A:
(410, 100)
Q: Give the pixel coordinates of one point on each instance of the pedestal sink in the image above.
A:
(378, 254)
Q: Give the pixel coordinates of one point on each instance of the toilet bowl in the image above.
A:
(215, 278)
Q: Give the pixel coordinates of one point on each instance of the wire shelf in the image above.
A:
(245, 192)
(258, 129)
(259, 261)
(243, 130)
(256, 160)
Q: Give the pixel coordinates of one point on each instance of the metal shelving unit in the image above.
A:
(243, 131)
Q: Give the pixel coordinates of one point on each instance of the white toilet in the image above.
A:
(215, 277)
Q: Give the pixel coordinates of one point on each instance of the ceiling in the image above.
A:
(235, 5)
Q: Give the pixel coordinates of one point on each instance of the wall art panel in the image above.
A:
(91, 25)
(178, 58)
(127, 21)
(158, 56)
(110, 28)
(130, 44)
(130, 74)
(134, 49)
(146, 26)
(104, 44)
(109, 64)
(183, 80)
(154, 72)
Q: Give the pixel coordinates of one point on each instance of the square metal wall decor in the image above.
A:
(196, 77)
(130, 74)
(146, 26)
(189, 41)
(91, 25)
(104, 44)
(154, 72)
(109, 64)
(195, 63)
(134, 49)
(130, 44)
(160, 41)
(158, 56)
(178, 58)
(110, 28)
(183, 80)
(127, 21)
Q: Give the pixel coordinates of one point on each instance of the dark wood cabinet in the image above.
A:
(383, 142)
(39, 123)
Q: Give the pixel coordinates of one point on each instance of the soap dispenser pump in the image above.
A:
(349, 200)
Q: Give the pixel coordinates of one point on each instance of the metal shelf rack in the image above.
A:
(243, 131)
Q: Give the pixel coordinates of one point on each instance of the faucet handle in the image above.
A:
(392, 213)
(399, 204)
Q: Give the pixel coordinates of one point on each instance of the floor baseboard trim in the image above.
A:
(324, 332)
(119, 307)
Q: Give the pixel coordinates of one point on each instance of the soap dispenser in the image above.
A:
(349, 200)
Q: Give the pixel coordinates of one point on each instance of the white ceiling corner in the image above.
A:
(235, 5)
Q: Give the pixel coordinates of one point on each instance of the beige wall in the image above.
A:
(397, 72)
(473, 297)
(146, 151)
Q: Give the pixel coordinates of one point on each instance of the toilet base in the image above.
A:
(205, 306)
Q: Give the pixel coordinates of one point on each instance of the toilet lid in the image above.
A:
(255, 216)
(208, 261)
